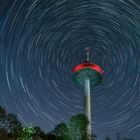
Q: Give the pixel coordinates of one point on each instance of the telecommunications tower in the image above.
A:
(88, 75)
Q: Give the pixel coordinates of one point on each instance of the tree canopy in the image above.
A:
(75, 129)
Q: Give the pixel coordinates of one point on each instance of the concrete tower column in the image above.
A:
(88, 106)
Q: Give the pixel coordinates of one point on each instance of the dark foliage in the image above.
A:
(10, 129)
(51, 136)
(1, 6)
(108, 138)
(9, 125)
(39, 133)
(61, 132)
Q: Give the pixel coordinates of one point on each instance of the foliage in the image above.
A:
(1, 5)
(2, 112)
(62, 132)
(2, 116)
(108, 138)
(27, 133)
(38, 133)
(78, 127)
(3, 134)
(51, 136)
(14, 126)
(9, 124)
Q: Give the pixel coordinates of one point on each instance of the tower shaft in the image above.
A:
(88, 107)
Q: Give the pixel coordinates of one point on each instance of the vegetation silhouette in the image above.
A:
(75, 129)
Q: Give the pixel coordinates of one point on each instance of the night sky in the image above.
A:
(41, 41)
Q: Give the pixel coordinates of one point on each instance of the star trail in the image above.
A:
(41, 41)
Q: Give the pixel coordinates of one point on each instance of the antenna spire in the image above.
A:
(87, 50)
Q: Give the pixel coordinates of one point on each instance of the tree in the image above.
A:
(78, 127)
(62, 132)
(2, 116)
(3, 134)
(14, 126)
(1, 5)
(27, 133)
(39, 134)
(51, 136)
(9, 124)
(108, 138)
(2, 112)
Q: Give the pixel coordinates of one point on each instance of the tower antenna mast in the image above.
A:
(87, 50)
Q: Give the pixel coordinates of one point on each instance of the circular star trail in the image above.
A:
(42, 41)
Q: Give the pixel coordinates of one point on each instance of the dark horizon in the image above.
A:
(42, 41)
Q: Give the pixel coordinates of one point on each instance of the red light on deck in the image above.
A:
(88, 65)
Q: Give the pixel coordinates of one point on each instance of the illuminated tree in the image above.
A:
(27, 133)
(78, 127)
